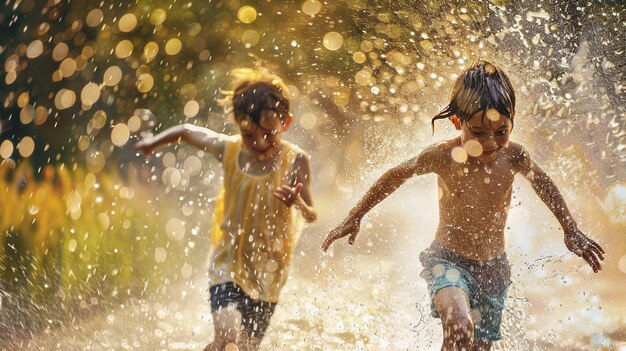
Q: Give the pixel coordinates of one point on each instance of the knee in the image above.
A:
(228, 336)
(458, 331)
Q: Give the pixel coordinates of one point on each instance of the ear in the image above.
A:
(287, 122)
(457, 123)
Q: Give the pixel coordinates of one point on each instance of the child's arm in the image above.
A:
(202, 138)
(575, 240)
(389, 182)
(300, 195)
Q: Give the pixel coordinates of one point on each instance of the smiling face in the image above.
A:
(485, 134)
(263, 140)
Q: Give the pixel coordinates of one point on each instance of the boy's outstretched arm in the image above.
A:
(300, 194)
(389, 182)
(575, 240)
(202, 138)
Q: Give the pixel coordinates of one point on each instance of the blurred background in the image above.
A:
(102, 249)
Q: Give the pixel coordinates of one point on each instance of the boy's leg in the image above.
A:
(256, 320)
(481, 345)
(227, 324)
(452, 304)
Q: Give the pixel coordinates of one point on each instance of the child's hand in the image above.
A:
(146, 146)
(582, 246)
(287, 194)
(349, 227)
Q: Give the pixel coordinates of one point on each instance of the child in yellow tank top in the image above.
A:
(266, 193)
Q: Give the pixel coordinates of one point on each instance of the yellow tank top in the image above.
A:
(254, 233)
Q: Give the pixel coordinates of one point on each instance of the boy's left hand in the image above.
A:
(288, 195)
(582, 246)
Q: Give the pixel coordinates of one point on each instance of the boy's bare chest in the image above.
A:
(477, 182)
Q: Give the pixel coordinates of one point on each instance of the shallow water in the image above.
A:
(370, 296)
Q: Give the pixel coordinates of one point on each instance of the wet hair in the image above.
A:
(255, 91)
(480, 87)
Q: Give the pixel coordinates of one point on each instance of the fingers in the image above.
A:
(282, 197)
(298, 188)
(334, 235)
(591, 252)
(592, 260)
(352, 237)
(340, 232)
(287, 194)
(329, 240)
(597, 247)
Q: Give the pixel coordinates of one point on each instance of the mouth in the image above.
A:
(261, 152)
(489, 153)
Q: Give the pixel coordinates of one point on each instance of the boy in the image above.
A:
(466, 268)
(266, 179)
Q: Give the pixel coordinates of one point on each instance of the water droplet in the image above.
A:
(160, 255)
(458, 154)
(175, 229)
(473, 148)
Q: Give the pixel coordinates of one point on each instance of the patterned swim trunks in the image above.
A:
(485, 283)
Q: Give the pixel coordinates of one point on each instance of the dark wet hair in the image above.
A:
(481, 86)
(250, 97)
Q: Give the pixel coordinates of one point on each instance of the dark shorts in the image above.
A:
(485, 283)
(255, 314)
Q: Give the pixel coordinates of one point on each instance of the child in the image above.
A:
(466, 268)
(266, 179)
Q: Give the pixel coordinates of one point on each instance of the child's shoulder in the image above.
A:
(516, 151)
(442, 148)
(295, 148)
(518, 156)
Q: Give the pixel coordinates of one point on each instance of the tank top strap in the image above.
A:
(288, 157)
(231, 152)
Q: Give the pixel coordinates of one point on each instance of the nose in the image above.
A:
(261, 142)
(488, 141)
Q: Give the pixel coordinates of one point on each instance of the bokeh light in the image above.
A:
(127, 23)
(35, 48)
(94, 17)
(173, 46)
(473, 148)
(333, 41)
(6, 149)
(112, 76)
(64, 99)
(26, 146)
(247, 14)
(120, 134)
(458, 154)
(145, 82)
(191, 108)
(311, 7)
(90, 94)
(157, 17)
(124, 49)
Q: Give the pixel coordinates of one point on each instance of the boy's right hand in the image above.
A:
(349, 227)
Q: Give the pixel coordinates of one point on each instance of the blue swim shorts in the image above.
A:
(486, 308)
